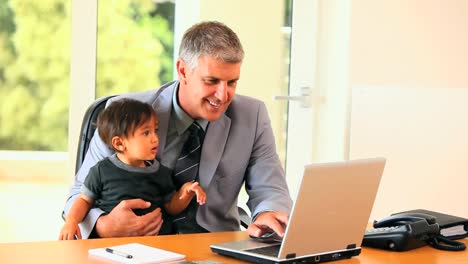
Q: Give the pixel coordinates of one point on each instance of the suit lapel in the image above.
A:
(213, 147)
(163, 107)
(215, 138)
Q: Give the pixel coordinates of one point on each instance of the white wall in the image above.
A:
(409, 92)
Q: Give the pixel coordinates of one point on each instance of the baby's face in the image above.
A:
(143, 143)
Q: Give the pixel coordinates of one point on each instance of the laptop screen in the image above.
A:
(329, 215)
(332, 207)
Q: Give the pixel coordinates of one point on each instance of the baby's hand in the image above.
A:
(70, 231)
(199, 192)
(194, 188)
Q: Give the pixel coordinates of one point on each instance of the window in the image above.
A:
(34, 74)
(34, 105)
(135, 45)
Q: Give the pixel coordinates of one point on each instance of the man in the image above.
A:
(238, 146)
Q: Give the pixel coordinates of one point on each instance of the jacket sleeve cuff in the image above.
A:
(88, 224)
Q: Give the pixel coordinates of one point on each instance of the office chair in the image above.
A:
(88, 126)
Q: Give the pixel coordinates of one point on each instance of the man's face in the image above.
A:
(207, 91)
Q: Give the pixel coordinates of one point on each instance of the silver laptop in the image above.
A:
(328, 218)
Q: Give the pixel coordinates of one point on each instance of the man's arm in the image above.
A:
(122, 221)
(268, 192)
(267, 222)
(97, 151)
(76, 214)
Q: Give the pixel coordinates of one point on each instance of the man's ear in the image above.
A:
(118, 143)
(181, 67)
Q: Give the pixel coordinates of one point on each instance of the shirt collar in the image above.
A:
(182, 120)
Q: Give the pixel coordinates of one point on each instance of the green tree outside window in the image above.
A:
(134, 53)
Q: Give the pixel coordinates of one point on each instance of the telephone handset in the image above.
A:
(405, 231)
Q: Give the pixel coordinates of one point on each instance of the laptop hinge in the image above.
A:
(291, 255)
(351, 246)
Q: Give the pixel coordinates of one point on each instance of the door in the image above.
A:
(318, 123)
(302, 85)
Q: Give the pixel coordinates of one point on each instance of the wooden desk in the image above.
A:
(196, 247)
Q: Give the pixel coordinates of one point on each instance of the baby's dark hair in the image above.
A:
(121, 118)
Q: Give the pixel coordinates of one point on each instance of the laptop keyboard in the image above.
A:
(271, 251)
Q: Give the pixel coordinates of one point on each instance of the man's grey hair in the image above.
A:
(213, 39)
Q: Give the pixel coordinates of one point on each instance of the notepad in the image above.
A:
(139, 254)
(451, 226)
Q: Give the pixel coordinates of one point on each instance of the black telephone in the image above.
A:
(405, 231)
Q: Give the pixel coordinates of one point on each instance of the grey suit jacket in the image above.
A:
(238, 148)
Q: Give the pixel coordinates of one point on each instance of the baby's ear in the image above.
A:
(118, 144)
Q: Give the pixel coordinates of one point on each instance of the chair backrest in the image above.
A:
(88, 126)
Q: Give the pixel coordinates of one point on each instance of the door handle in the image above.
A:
(306, 98)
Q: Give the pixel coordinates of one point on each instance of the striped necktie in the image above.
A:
(186, 167)
(186, 170)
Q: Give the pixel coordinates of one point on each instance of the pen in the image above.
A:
(120, 253)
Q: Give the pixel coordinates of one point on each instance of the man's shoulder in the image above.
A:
(148, 96)
(246, 99)
(247, 111)
(244, 104)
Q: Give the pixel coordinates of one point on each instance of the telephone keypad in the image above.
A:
(387, 229)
